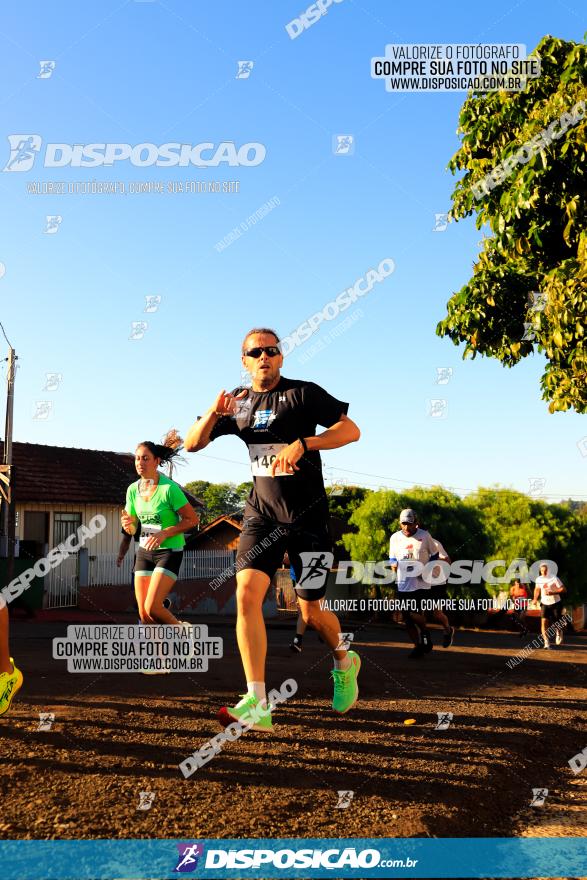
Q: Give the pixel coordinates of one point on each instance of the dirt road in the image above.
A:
(117, 735)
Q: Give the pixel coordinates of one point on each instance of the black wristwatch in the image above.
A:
(304, 444)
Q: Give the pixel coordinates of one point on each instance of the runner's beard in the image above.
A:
(265, 380)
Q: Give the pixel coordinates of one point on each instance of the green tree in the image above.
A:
(243, 490)
(219, 498)
(520, 527)
(344, 500)
(198, 488)
(536, 213)
(447, 517)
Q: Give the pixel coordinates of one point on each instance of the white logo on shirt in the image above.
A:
(263, 418)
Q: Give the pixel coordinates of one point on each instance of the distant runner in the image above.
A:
(413, 544)
(548, 590)
(519, 596)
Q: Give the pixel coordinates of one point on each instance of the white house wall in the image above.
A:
(108, 541)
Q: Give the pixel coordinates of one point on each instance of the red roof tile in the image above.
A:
(64, 475)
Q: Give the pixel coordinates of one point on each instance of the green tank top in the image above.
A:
(159, 512)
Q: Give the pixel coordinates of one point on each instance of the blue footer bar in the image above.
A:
(304, 858)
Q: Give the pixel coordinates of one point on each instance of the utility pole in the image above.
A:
(7, 473)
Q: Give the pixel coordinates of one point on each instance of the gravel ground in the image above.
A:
(115, 735)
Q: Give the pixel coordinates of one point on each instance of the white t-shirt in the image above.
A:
(438, 574)
(545, 583)
(403, 549)
(442, 554)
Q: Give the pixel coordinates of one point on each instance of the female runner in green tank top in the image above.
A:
(165, 514)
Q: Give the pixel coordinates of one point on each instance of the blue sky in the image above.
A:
(142, 72)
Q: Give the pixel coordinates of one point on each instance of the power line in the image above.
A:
(410, 483)
(5, 336)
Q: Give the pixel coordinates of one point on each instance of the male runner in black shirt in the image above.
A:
(287, 509)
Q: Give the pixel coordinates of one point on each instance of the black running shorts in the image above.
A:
(551, 612)
(415, 596)
(165, 561)
(263, 543)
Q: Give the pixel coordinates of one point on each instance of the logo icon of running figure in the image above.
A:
(315, 568)
(189, 856)
(23, 151)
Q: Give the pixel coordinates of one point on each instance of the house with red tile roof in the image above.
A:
(57, 488)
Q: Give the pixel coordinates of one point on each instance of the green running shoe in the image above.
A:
(10, 683)
(249, 712)
(346, 689)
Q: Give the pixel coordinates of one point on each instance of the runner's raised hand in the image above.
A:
(226, 404)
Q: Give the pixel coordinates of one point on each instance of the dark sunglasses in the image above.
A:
(270, 350)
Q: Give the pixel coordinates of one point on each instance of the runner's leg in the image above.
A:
(151, 592)
(10, 677)
(251, 635)
(296, 644)
(419, 619)
(161, 583)
(251, 586)
(326, 623)
(559, 626)
(441, 617)
(301, 624)
(5, 664)
(315, 541)
(141, 589)
(412, 629)
(416, 623)
(544, 624)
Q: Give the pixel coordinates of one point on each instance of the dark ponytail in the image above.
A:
(169, 448)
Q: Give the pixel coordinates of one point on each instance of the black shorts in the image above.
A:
(263, 543)
(416, 596)
(551, 612)
(166, 561)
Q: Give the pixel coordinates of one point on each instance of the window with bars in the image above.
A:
(64, 525)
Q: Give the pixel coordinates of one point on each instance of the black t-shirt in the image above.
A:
(269, 420)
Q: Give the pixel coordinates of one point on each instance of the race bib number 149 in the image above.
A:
(262, 457)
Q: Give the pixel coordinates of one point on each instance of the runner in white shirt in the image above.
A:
(549, 591)
(411, 544)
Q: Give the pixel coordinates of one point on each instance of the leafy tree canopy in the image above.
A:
(343, 500)
(525, 158)
(491, 523)
(219, 498)
(445, 515)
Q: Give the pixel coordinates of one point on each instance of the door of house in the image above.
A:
(35, 532)
(62, 582)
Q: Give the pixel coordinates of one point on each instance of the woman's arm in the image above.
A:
(123, 549)
(128, 523)
(129, 518)
(188, 519)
